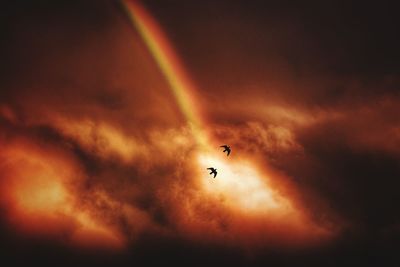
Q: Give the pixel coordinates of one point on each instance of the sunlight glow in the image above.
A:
(241, 185)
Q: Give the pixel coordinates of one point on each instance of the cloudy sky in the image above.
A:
(100, 162)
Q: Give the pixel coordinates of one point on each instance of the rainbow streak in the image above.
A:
(168, 62)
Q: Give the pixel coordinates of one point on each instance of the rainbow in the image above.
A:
(170, 66)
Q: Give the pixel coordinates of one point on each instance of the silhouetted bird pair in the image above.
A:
(227, 149)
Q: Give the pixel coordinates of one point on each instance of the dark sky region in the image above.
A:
(98, 166)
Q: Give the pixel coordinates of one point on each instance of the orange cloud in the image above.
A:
(37, 187)
(102, 139)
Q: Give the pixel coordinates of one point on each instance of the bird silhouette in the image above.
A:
(213, 171)
(226, 149)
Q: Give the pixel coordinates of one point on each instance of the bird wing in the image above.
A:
(224, 146)
(210, 169)
(229, 152)
(215, 174)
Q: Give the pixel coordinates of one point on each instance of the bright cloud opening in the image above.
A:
(241, 185)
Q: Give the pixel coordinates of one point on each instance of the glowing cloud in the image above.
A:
(101, 138)
(36, 184)
(242, 186)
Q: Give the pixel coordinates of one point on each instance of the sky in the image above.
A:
(112, 111)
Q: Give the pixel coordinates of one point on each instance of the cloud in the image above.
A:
(96, 154)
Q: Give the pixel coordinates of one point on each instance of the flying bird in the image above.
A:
(226, 149)
(213, 171)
